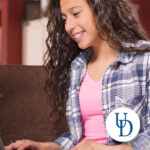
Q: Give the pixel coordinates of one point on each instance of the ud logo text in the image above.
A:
(122, 124)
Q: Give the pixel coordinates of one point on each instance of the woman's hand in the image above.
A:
(87, 144)
(28, 144)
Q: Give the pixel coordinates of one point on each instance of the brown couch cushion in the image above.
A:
(24, 110)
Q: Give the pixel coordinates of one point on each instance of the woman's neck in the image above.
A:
(102, 52)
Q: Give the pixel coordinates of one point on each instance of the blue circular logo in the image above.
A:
(123, 124)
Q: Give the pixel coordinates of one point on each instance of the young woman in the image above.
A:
(98, 60)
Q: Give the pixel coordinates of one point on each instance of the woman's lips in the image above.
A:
(78, 36)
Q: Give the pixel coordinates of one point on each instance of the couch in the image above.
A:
(24, 107)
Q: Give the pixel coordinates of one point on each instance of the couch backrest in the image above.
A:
(24, 108)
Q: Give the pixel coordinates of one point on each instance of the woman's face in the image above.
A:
(79, 22)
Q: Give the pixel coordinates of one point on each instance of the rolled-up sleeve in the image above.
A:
(65, 141)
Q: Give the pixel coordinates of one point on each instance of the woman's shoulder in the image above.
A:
(140, 56)
(142, 44)
(142, 61)
(143, 55)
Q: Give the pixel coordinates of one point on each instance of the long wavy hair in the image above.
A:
(115, 17)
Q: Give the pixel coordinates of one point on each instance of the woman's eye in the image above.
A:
(64, 20)
(75, 14)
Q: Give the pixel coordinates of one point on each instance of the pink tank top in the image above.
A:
(90, 96)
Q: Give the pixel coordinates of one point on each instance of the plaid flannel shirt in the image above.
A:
(126, 82)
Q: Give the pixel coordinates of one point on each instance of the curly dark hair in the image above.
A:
(114, 17)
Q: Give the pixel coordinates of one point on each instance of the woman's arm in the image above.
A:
(28, 144)
(87, 144)
(51, 146)
(122, 147)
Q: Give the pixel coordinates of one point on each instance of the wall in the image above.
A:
(34, 47)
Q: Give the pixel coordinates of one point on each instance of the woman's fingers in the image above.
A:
(20, 145)
(25, 145)
(12, 146)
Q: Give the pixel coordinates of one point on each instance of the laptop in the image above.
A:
(1, 145)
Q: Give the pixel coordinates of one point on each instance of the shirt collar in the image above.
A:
(82, 58)
(123, 57)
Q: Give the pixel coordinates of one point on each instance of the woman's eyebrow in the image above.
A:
(63, 14)
(75, 7)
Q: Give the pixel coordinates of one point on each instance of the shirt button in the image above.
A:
(105, 112)
(115, 64)
(105, 86)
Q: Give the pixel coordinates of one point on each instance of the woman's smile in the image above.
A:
(79, 36)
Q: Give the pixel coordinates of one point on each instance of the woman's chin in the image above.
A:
(83, 46)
